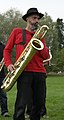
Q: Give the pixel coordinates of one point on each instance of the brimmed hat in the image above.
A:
(32, 11)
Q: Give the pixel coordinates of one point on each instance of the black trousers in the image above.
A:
(29, 107)
(30, 83)
(3, 99)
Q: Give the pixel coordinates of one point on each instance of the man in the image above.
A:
(32, 79)
(3, 96)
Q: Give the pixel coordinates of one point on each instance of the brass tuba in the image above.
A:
(34, 45)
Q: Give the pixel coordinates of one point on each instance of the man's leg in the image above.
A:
(38, 95)
(3, 102)
(23, 93)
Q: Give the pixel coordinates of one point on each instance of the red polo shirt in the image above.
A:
(36, 63)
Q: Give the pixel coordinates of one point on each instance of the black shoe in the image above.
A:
(45, 116)
(27, 116)
(5, 114)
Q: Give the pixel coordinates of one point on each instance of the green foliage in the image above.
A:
(60, 28)
(9, 20)
(60, 60)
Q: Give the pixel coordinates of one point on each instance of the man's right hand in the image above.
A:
(11, 68)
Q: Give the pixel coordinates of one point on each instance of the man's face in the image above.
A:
(33, 20)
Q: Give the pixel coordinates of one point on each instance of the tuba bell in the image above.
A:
(34, 45)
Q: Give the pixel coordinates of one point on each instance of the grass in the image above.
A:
(55, 98)
(54, 101)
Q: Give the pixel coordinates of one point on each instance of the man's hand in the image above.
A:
(11, 68)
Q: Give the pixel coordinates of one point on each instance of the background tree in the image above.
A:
(9, 20)
(60, 28)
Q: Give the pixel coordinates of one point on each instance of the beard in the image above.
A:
(34, 26)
